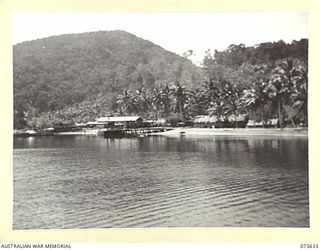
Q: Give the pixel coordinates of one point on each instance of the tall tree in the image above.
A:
(256, 100)
(234, 104)
(299, 96)
(126, 102)
(142, 100)
(166, 98)
(216, 98)
(156, 100)
(281, 86)
(180, 95)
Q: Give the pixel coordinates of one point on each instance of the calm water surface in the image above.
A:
(93, 182)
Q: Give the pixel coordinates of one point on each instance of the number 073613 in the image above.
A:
(309, 246)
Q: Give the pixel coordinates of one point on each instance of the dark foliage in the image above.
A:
(55, 72)
(78, 77)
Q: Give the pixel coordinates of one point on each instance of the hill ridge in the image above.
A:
(52, 72)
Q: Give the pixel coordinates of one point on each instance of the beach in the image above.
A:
(198, 132)
(237, 132)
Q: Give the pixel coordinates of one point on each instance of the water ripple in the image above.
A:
(71, 182)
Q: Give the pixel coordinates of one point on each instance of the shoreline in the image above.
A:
(200, 132)
(301, 132)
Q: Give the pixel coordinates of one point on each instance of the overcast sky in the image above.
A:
(174, 32)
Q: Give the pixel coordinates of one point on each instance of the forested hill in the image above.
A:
(79, 77)
(54, 72)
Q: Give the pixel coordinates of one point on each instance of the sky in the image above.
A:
(176, 32)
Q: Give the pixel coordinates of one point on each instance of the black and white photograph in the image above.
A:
(160, 120)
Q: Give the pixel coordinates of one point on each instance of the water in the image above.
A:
(93, 182)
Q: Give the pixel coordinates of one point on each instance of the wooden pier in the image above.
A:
(137, 132)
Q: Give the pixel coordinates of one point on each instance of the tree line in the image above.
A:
(284, 95)
(265, 81)
(53, 75)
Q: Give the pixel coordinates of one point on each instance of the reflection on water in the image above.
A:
(92, 182)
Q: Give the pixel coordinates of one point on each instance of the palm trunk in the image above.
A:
(279, 113)
(292, 121)
(236, 120)
(291, 116)
(156, 113)
(306, 120)
(166, 110)
(180, 110)
(306, 116)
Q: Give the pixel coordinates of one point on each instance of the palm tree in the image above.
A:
(198, 103)
(210, 89)
(180, 95)
(126, 102)
(215, 98)
(276, 94)
(281, 86)
(232, 95)
(166, 99)
(142, 100)
(299, 97)
(218, 108)
(156, 100)
(256, 98)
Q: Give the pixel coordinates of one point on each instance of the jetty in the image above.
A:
(134, 132)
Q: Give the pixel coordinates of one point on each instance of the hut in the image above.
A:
(239, 121)
(157, 122)
(205, 121)
(271, 123)
(120, 122)
(254, 124)
(230, 121)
